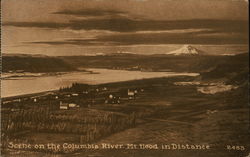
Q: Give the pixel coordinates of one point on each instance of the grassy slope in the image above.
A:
(179, 116)
(232, 67)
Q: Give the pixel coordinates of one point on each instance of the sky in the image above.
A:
(89, 27)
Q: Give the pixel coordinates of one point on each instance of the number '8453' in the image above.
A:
(232, 147)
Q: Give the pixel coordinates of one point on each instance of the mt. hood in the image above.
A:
(186, 50)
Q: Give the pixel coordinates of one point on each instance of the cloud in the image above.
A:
(52, 25)
(177, 38)
(174, 31)
(196, 37)
(124, 24)
(90, 12)
(123, 29)
(73, 25)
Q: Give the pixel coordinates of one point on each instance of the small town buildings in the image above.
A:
(111, 96)
(112, 100)
(85, 92)
(64, 106)
(104, 88)
(17, 100)
(34, 98)
(6, 102)
(72, 105)
(131, 94)
(14, 110)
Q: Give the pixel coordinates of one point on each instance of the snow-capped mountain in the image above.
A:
(186, 50)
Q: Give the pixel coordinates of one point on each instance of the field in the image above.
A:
(161, 113)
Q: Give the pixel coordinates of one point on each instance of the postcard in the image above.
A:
(125, 78)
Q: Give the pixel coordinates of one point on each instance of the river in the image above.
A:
(34, 84)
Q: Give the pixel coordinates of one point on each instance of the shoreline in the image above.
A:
(100, 84)
(88, 80)
(16, 76)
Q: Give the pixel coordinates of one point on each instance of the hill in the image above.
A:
(233, 68)
(163, 62)
(37, 63)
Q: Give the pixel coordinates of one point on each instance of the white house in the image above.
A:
(64, 106)
(111, 96)
(67, 95)
(75, 94)
(131, 94)
(104, 88)
(72, 105)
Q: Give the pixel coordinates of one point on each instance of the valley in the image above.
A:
(206, 109)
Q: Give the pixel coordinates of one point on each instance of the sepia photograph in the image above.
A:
(125, 78)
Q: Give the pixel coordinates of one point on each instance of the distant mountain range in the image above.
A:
(183, 63)
(181, 60)
(118, 53)
(184, 50)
